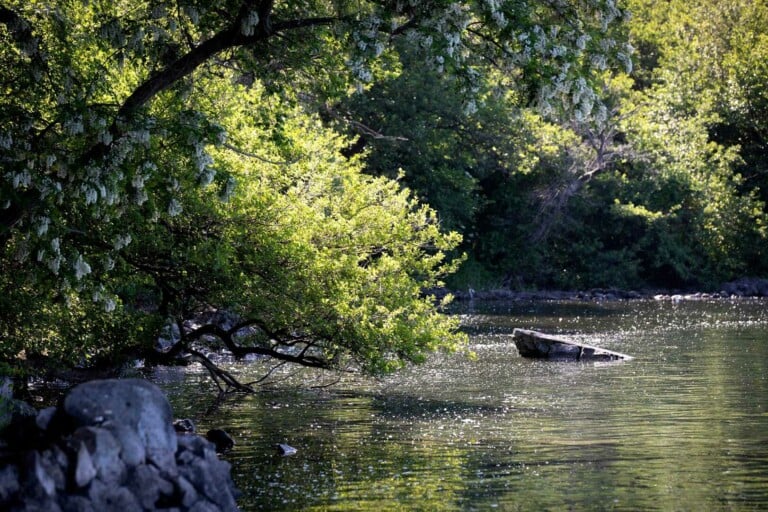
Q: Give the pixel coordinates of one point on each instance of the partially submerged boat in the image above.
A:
(547, 346)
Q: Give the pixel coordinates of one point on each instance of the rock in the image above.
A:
(18, 423)
(203, 506)
(48, 471)
(746, 287)
(194, 447)
(85, 471)
(44, 417)
(9, 484)
(285, 450)
(132, 450)
(184, 426)
(189, 495)
(148, 486)
(111, 446)
(212, 481)
(220, 439)
(77, 503)
(135, 403)
(110, 498)
(539, 345)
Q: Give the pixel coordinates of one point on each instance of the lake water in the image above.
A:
(684, 426)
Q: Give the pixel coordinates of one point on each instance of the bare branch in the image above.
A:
(218, 374)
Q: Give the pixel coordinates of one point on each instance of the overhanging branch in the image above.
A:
(231, 37)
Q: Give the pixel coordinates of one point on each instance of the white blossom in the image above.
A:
(22, 252)
(22, 179)
(229, 189)
(202, 157)
(141, 136)
(558, 51)
(601, 116)
(42, 225)
(599, 62)
(91, 195)
(174, 208)
(82, 268)
(138, 181)
(470, 107)
(581, 42)
(121, 241)
(109, 305)
(194, 15)
(54, 263)
(206, 176)
(249, 23)
(626, 60)
(545, 107)
(141, 197)
(74, 126)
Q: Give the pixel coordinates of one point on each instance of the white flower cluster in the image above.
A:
(203, 161)
(608, 12)
(367, 45)
(206, 176)
(229, 189)
(497, 15)
(108, 301)
(55, 262)
(6, 140)
(193, 14)
(81, 267)
(74, 125)
(122, 241)
(249, 23)
(42, 225)
(174, 208)
(21, 179)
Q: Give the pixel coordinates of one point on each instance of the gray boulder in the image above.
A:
(112, 446)
(134, 403)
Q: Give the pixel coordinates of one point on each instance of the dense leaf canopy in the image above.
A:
(663, 185)
(163, 166)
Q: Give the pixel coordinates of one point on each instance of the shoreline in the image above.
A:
(744, 288)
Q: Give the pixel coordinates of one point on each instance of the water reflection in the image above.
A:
(683, 426)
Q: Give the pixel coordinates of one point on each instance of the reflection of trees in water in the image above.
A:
(680, 427)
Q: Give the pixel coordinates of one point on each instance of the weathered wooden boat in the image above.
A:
(547, 346)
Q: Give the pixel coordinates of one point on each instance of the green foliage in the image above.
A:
(161, 161)
(661, 186)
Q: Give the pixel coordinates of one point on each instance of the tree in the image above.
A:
(157, 166)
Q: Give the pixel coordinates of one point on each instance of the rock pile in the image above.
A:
(110, 446)
(747, 287)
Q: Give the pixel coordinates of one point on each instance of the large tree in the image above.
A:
(161, 165)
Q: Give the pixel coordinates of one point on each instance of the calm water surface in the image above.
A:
(684, 426)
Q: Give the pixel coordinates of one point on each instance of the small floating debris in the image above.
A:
(546, 346)
(286, 450)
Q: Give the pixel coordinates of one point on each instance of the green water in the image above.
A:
(684, 426)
